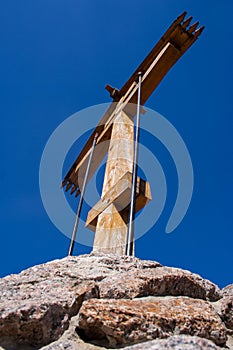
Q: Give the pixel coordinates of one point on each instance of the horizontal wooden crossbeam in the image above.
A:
(173, 44)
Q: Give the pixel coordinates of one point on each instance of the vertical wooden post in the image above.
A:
(112, 225)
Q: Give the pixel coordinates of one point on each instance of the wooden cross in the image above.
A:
(109, 217)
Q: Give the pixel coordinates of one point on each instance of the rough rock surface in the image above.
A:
(162, 281)
(36, 305)
(226, 311)
(228, 291)
(177, 342)
(70, 340)
(40, 307)
(120, 322)
(224, 306)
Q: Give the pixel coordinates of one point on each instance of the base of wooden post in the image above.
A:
(111, 231)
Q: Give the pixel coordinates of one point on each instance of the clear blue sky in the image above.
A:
(56, 57)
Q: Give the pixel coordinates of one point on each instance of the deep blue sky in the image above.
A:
(56, 57)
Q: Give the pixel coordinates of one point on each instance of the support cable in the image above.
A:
(74, 233)
(130, 233)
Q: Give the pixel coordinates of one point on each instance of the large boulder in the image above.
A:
(159, 281)
(114, 323)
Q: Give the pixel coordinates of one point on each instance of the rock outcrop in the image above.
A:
(101, 301)
(121, 322)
